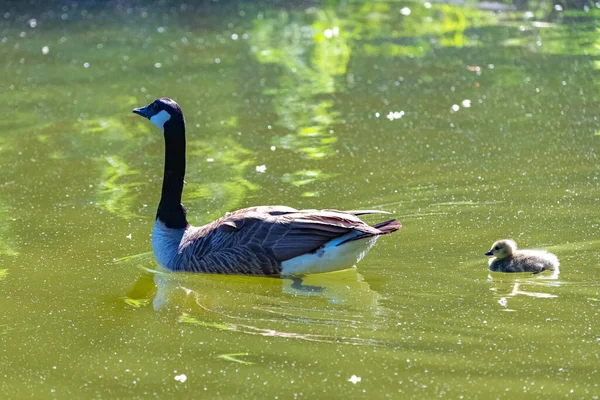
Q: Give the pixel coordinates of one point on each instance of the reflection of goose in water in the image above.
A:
(509, 286)
(266, 306)
(507, 258)
(267, 240)
(346, 288)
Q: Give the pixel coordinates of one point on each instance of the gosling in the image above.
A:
(508, 259)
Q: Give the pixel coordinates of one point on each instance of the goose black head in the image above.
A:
(161, 111)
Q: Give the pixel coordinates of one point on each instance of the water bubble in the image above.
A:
(217, 61)
(329, 33)
(392, 115)
(234, 36)
(32, 22)
(86, 65)
(455, 107)
(160, 29)
(157, 65)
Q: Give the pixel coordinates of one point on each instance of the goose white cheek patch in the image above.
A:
(160, 119)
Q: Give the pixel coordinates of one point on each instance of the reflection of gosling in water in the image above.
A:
(508, 259)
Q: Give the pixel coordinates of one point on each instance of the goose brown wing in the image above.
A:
(286, 235)
(257, 240)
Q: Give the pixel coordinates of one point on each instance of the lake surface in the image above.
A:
(469, 123)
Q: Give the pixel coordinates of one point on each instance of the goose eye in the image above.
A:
(497, 248)
(155, 107)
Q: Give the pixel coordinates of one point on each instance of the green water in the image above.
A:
(493, 132)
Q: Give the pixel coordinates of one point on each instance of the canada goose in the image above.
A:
(508, 259)
(267, 240)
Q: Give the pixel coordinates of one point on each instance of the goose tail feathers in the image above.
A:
(384, 228)
(388, 226)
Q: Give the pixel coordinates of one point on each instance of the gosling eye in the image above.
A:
(497, 248)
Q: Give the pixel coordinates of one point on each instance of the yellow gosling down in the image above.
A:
(507, 258)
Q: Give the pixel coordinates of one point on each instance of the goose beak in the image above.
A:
(489, 253)
(143, 111)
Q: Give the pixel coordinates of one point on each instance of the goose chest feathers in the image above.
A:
(265, 240)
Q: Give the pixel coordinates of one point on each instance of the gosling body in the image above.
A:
(507, 258)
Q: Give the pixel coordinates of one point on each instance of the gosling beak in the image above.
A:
(489, 253)
(143, 111)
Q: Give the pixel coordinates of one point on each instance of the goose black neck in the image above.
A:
(170, 210)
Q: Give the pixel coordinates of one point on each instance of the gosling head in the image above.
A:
(160, 112)
(502, 248)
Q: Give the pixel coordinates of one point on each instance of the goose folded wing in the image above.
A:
(281, 232)
(295, 234)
